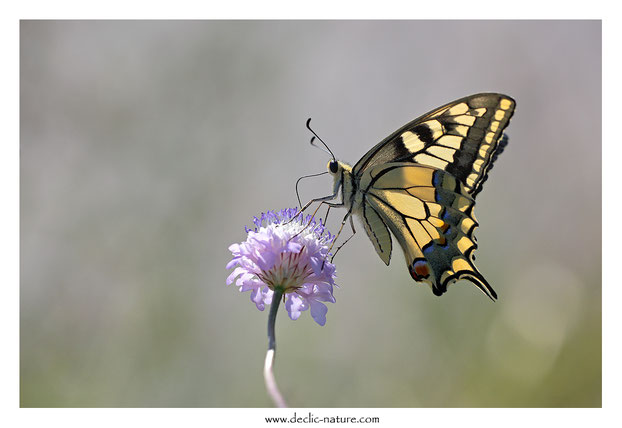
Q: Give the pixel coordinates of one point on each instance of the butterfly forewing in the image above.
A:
(462, 138)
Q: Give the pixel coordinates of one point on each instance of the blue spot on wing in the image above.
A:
(436, 179)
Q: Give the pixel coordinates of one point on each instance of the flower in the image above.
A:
(286, 251)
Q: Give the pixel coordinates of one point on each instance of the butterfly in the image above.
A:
(419, 185)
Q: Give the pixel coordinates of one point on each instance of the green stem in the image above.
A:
(274, 307)
(271, 386)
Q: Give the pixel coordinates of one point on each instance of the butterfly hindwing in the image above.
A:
(378, 233)
(462, 137)
(431, 215)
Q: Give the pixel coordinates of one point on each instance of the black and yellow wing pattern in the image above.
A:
(420, 183)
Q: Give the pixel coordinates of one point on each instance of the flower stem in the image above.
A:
(274, 307)
(268, 373)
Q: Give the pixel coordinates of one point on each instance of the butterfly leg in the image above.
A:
(343, 222)
(321, 201)
(308, 204)
(344, 242)
(326, 217)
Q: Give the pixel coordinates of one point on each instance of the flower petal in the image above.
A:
(292, 247)
(233, 262)
(316, 265)
(266, 260)
(251, 285)
(318, 312)
(268, 296)
(236, 272)
(324, 293)
(294, 305)
(257, 297)
(244, 279)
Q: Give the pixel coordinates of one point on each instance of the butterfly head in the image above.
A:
(337, 168)
(342, 173)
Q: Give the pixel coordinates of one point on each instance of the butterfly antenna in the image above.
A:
(318, 137)
(306, 176)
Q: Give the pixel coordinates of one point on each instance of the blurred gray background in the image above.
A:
(146, 147)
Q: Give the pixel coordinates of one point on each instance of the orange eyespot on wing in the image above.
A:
(419, 270)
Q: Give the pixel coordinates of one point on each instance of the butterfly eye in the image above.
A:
(333, 167)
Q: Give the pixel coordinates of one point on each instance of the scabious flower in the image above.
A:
(289, 252)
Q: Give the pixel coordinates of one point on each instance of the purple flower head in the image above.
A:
(286, 254)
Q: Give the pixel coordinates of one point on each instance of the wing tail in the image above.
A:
(433, 225)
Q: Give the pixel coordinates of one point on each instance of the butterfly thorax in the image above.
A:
(344, 180)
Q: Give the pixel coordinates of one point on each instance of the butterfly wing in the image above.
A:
(377, 231)
(463, 137)
(431, 215)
